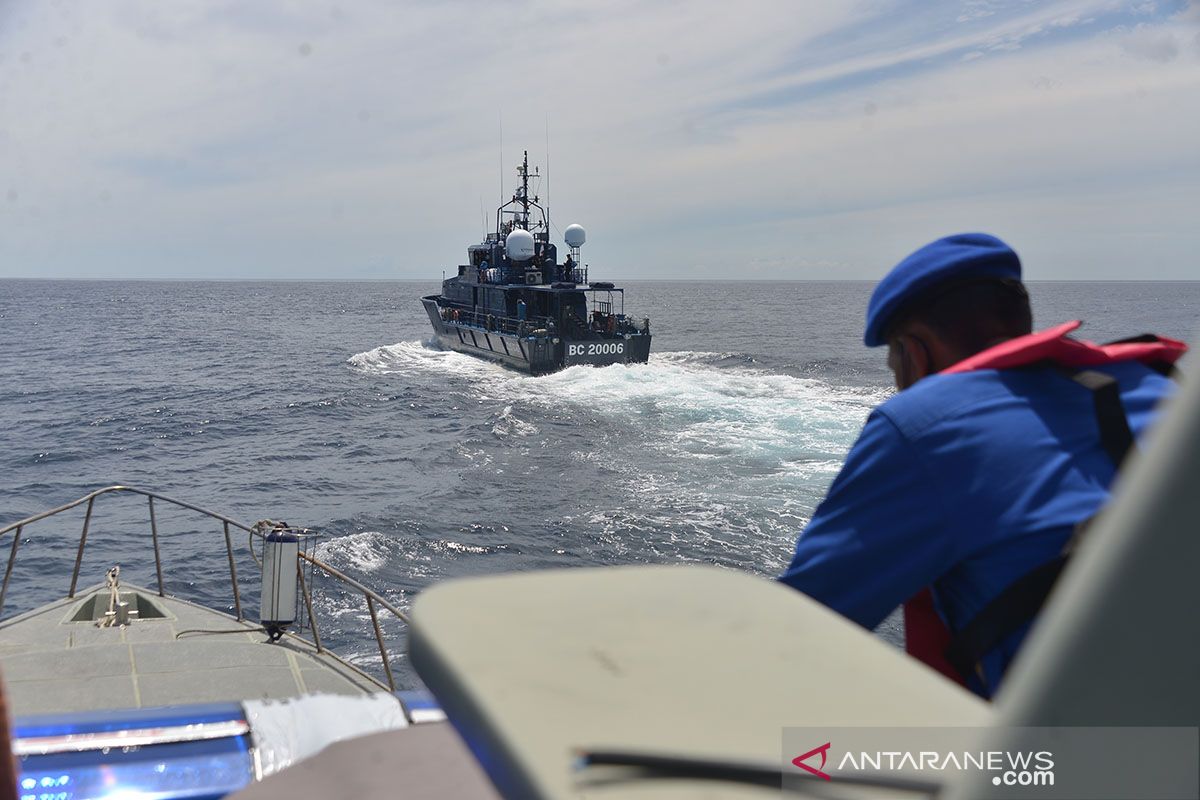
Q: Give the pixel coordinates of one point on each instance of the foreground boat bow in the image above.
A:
(122, 690)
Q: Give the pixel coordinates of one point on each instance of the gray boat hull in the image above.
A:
(536, 352)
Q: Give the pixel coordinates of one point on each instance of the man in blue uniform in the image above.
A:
(971, 477)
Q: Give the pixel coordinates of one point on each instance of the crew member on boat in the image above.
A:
(966, 490)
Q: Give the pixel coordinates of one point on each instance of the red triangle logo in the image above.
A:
(799, 761)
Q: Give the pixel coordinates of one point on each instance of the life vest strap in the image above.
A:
(1116, 437)
(1004, 615)
(1024, 598)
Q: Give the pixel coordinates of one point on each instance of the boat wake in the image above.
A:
(509, 424)
(422, 355)
(702, 455)
(363, 552)
(696, 405)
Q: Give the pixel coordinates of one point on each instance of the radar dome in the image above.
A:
(575, 235)
(519, 245)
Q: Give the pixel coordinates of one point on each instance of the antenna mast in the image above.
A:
(523, 197)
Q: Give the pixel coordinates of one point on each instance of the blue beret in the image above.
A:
(964, 256)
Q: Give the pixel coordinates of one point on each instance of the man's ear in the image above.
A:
(935, 352)
(915, 360)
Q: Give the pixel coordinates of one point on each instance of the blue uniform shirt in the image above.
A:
(964, 482)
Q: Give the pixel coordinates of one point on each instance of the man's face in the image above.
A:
(895, 359)
(909, 356)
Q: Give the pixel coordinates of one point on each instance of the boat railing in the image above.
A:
(499, 324)
(373, 601)
(624, 324)
(606, 324)
(497, 276)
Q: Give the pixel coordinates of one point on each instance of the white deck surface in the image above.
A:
(52, 664)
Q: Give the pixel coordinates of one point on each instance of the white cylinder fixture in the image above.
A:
(281, 552)
(519, 245)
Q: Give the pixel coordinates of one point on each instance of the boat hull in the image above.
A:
(539, 353)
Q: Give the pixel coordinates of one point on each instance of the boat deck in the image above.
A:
(56, 659)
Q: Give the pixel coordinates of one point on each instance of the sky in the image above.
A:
(708, 139)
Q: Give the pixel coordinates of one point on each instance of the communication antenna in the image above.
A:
(575, 236)
(547, 173)
(501, 116)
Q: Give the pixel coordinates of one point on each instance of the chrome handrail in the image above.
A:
(372, 598)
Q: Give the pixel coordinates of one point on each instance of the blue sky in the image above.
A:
(759, 139)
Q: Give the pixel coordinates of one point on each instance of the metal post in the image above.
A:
(157, 555)
(308, 605)
(237, 594)
(12, 557)
(387, 667)
(87, 520)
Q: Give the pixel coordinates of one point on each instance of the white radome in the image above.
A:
(519, 245)
(575, 235)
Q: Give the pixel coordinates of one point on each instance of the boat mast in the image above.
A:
(521, 198)
(524, 194)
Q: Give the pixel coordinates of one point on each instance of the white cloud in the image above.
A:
(285, 140)
(1151, 43)
(1005, 35)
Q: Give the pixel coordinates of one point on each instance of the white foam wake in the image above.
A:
(366, 551)
(696, 409)
(509, 424)
(708, 412)
(424, 356)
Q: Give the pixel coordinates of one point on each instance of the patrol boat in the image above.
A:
(514, 303)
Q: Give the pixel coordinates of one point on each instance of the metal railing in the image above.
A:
(607, 325)
(573, 326)
(498, 277)
(373, 600)
(498, 324)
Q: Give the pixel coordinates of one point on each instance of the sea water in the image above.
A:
(325, 404)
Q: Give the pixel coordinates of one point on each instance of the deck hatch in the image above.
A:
(93, 608)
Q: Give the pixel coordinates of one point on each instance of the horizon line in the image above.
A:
(27, 279)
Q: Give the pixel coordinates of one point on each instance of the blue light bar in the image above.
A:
(124, 719)
(160, 772)
(420, 706)
(200, 751)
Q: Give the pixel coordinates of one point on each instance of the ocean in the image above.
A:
(326, 405)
